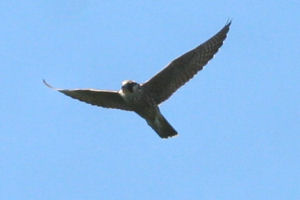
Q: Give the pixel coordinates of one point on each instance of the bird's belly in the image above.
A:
(147, 112)
(142, 104)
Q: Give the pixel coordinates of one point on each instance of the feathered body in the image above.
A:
(145, 98)
(144, 105)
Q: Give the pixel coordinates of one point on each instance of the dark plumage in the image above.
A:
(145, 98)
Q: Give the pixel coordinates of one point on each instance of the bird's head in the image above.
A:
(130, 86)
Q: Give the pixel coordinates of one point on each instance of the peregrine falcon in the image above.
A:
(144, 98)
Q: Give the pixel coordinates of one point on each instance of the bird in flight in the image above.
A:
(144, 98)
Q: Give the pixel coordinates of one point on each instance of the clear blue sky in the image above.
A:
(238, 119)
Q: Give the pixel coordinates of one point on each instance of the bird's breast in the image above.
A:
(138, 100)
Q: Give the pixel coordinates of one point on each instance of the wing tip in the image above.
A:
(229, 21)
(49, 86)
(227, 25)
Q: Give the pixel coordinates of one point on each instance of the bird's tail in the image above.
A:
(162, 126)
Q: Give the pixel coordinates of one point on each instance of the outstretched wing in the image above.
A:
(183, 68)
(106, 99)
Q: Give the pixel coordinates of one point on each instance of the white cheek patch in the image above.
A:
(124, 82)
(121, 92)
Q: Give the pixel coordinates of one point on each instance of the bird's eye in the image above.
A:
(129, 88)
(136, 87)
